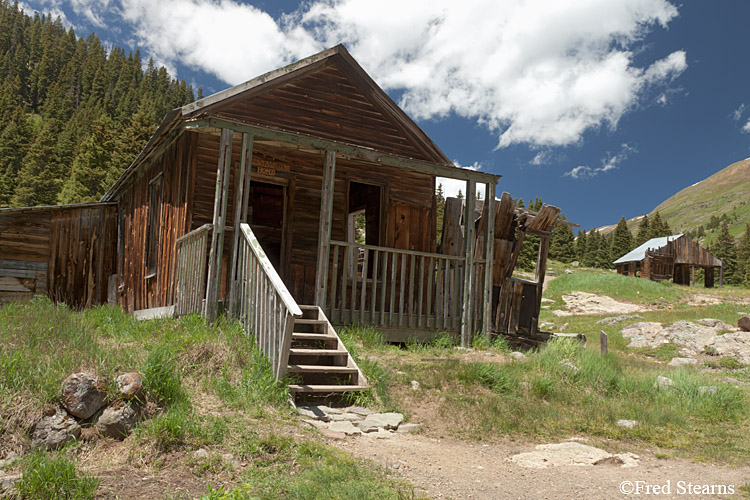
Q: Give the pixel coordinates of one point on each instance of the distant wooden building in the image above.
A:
(671, 257)
(247, 201)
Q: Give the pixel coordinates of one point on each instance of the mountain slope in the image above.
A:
(725, 193)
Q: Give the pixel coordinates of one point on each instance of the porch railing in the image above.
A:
(192, 259)
(261, 301)
(391, 288)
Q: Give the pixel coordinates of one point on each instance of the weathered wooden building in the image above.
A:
(671, 257)
(247, 201)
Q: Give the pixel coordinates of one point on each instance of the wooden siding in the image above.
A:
(329, 103)
(687, 251)
(65, 252)
(407, 216)
(139, 289)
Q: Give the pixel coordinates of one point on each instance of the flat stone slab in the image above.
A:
(683, 361)
(409, 427)
(571, 453)
(314, 412)
(346, 417)
(628, 424)
(344, 427)
(385, 420)
(359, 410)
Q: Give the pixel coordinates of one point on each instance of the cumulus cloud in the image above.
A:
(610, 162)
(537, 72)
(746, 127)
(51, 8)
(541, 158)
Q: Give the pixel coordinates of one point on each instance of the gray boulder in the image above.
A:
(663, 383)
(83, 395)
(130, 386)
(682, 361)
(53, 431)
(117, 423)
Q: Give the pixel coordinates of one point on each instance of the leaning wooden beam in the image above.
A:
(217, 236)
(489, 252)
(344, 149)
(324, 230)
(466, 316)
(240, 213)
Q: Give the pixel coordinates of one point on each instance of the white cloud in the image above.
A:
(540, 72)
(737, 113)
(51, 8)
(746, 127)
(610, 162)
(580, 172)
(541, 158)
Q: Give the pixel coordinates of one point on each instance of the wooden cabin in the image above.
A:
(671, 257)
(299, 199)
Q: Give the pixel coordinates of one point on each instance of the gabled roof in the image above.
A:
(639, 253)
(327, 95)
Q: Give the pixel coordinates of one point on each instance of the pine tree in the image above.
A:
(622, 239)
(593, 242)
(440, 210)
(658, 228)
(14, 144)
(562, 245)
(581, 246)
(39, 177)
(604, 254)
(724, 249)
(643, 234)
(743, 257)
(90, 166)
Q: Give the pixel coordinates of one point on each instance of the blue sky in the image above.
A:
(604, 108)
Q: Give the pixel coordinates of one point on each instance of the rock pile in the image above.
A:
(692, 338)
(354, 421)
(83, 399)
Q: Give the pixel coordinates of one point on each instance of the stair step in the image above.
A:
(306, 321)
(326, 388)
(317, 352)
(308, 308)
(320, 369)
(312, 336)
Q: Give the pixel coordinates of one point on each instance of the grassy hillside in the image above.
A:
(725, 192)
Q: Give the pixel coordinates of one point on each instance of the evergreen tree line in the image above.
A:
(72, 114)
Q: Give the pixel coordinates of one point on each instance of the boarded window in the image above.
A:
(152, 229)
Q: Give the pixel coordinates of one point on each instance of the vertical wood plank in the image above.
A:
(364, 288)
(394, 259)
(217, 237)
(334, 278)
(324, 231)
(489, 252)
(420, 294)
(466, 323)
(411, 320)
(246, 155)
(383, 287)
(402, 291)
(374, 287)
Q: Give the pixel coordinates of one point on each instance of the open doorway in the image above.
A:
(363, 220)
(266, 216)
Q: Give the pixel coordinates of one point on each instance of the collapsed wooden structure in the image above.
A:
(671, 257)
(247, 201)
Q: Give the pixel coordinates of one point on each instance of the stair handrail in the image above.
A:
(263, 303)
(190, 277)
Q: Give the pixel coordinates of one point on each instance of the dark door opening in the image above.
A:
(364, 221)
(266, 211)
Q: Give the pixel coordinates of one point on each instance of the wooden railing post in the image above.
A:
(219, 220)
(466, 317)
(240, 214)
(324, 230)
(489, 257)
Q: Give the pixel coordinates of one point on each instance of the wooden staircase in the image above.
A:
(318, 358)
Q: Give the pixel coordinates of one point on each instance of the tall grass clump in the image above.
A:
(54, 476)
(616, 286)
(162, 378)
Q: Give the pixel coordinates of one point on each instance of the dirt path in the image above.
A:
(458, 469)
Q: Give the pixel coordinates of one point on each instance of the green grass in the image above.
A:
(185, 363)
(53, 476)
(543, 399)
(618, 287)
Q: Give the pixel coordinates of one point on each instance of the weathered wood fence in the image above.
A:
(192, 255)
(390, 288)
(259, 299)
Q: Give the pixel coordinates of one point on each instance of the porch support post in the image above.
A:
(324, 231)
(240, 214)
(489, 251)
(217, 236)
(466, 316)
